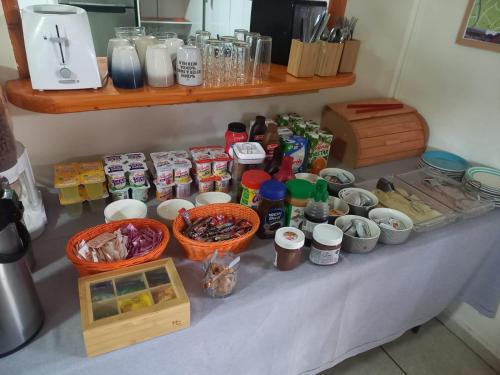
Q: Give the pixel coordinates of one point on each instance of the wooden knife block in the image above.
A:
(328, 59)
(302, 59)
(349, 56)
(362, 139)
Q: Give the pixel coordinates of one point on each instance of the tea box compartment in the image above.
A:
(131, 305)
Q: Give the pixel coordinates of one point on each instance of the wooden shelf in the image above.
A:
(20, 93)
(165, 20)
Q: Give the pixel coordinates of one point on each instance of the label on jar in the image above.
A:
(324, 257)
(296, 217)
(258, 138)
(308, 227)
(273, 220)
(250, 197)
(270, 150)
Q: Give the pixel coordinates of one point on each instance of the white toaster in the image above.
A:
(59, 48)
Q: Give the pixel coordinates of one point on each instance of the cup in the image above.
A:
(115, 42)
(130, 32)
(172, 45)
(240, 34)
(189, 66)
(228, 54)
(159, 69)
(164, 35)
(240, 63)
(214, 63)
(251, 39)
(262, 61)
(126, 68)
(125, 209)
(191, 40)
(201, 38)
(141, 45)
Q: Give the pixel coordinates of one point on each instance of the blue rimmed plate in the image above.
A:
(445, 161)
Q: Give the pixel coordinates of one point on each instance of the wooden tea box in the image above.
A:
(130, 305)
(372, 137)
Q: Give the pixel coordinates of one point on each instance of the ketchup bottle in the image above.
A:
(285, 173)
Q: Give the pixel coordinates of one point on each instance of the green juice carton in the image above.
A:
(318, 150)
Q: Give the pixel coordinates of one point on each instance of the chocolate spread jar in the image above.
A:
(325, 246)
(288, 243)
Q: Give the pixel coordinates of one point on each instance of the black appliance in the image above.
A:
(280, 19)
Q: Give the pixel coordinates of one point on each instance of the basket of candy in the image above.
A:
(118, 244)
(223, 227)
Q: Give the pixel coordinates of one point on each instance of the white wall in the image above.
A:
(457, 90)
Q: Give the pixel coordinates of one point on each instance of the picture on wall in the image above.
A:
(481, 25)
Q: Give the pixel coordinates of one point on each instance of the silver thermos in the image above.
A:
(21, 315)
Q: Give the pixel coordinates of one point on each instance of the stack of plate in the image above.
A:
(485, 181)
(444, 162)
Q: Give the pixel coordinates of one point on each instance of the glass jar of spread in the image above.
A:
(299, 192)
(250, 185)
(288, 244)
(326, 243)
(271, 208)
(236, 132)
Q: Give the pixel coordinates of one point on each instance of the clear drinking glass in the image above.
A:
(240, 34)
(191, 40)
(251, 39)
(228, 53)
(164, 35)
(215, 63)
(262, 62)
(141, 45)
(201, 38)
(130, 32)
(240, 63)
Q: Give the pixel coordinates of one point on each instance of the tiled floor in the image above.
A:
(433, 351)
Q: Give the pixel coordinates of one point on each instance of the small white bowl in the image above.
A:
(125, 209)
(311, 177)
(212, 197)
(169, 210)
(392, 236)
(356, 244)
(359, 210)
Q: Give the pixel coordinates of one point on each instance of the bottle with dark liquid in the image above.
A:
(258, 130)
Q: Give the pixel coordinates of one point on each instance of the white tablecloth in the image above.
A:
(301, 321)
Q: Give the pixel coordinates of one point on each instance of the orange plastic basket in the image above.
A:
(197, 250)
(88, 268)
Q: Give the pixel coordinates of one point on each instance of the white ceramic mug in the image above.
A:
(141, 45)
(159, 69)
(189, 66)
(173, 44)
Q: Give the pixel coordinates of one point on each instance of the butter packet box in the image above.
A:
(319, 150)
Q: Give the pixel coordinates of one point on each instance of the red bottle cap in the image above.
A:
(254, 178)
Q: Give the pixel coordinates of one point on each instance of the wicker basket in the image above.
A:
(197, 250)
(88, 268)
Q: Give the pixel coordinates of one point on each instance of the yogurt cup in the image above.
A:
(114, 159)
(135, 156)
(137, 173)
(288, 244)
(119, 194)
(116, 176)
(164, 172)
(140, 193)
(219, 168)
(326, 243)
(203, 169)
(164, 192)
(181, 171)
(222, 185)
(205, 186)
(183, 190)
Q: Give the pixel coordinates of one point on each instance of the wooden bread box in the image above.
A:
(367, 138)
